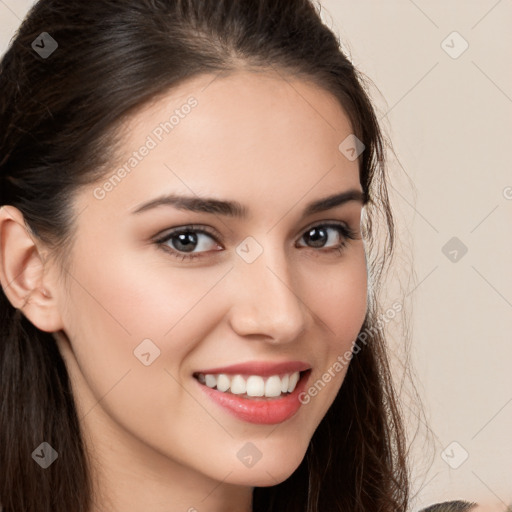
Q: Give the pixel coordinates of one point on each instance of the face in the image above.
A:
(161, 298)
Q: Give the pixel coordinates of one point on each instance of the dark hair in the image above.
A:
(451, 506)
(59, 113)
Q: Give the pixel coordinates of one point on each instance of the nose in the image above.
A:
(267, 301)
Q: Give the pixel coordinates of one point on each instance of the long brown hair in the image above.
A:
(59, 113)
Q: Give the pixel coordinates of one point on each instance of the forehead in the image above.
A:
(246, 135)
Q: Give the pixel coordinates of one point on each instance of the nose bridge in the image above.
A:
(267, 301)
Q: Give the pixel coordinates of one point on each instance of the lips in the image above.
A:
(258, 409)
(254, 378)
(261, 368)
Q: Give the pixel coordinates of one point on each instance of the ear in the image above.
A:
(23, 274)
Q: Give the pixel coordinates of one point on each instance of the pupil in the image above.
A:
(187, 240)
(322, 238)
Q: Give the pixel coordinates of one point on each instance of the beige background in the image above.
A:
(449, 116)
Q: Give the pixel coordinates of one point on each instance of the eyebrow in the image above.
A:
(236, 209)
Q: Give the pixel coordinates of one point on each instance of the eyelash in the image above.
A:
(345, 232)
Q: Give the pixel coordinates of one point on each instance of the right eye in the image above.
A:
(181, 242)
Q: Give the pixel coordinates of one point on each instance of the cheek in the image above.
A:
(339, 297)
(117, 306)
(340, 303)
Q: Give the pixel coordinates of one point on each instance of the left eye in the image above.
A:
(182, 242)
(319, 235)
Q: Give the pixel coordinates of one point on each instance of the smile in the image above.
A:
(254, 398)
(251, 385)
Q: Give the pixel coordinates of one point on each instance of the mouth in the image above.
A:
(258, 399)
(253, 386)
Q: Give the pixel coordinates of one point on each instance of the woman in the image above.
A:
(190, 264)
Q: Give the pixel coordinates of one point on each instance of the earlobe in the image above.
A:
(22, 272)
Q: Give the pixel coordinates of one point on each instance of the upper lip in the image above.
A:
(262, 368)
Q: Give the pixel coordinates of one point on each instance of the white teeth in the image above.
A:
(210, 381)
(223, 382)
(284, 383)
(273, 386)
(253, 385)
(238, 385)
(294, 378)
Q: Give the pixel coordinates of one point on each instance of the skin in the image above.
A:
(157, 442)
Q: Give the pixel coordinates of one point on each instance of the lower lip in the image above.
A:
(260, 410)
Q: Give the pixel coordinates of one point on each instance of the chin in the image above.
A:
(261, 478)
(267, 473)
